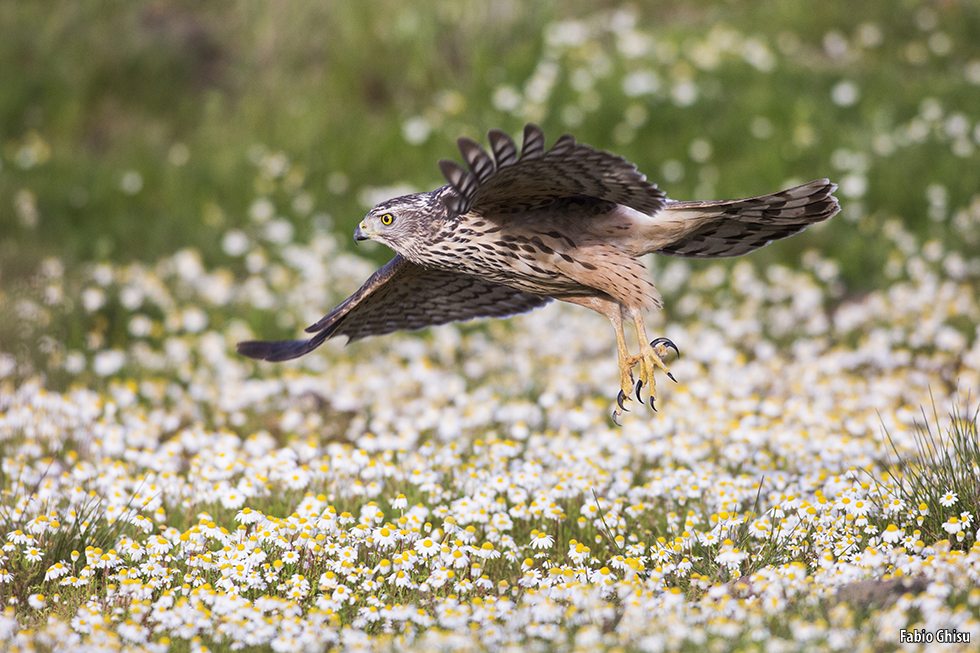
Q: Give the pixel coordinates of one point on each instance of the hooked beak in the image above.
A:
(360, 234)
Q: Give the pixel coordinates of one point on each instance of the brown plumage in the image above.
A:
(515, 231)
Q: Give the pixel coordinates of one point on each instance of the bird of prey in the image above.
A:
(518, 229)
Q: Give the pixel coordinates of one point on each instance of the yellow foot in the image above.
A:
(650, 357)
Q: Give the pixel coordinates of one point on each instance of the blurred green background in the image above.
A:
(129, 130)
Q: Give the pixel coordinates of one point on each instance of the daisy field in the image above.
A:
(811, 482)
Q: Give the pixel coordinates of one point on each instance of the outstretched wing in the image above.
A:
(735, 227)
(403, 295)
(508, 183)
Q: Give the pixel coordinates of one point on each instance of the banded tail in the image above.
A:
(735, 227)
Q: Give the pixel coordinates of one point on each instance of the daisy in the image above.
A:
(403, 580)
(578, 552)
(20, 537)
(57, 570)
(541, 540)
(892, 534)
(400, 502)
(859, 508)
(895, 506)
(730, 556)
(439, 577)
(531, 578)
(459, 559)
(134, 551)
(232, 499)
(603, 575)
(709, 538)
(948, 499)
(426, 547)
(760, 528)
(484, 582)
(953, 526)
(82, 625)
(384, 537)
(342, 595)
(467, 535)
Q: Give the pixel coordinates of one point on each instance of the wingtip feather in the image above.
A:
(480, 163)
(533, 145)
(280, 350)
(503, 148)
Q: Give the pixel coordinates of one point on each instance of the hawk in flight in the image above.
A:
(516, 230)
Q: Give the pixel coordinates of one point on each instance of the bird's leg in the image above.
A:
(651, 353)
(626, 363)
(650, 357)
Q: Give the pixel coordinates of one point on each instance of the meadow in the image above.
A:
(177, 178)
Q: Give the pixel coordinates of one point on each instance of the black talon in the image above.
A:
(652, 405)
(639, 384)
(666, 342)
(671, 377)
(620, 399)
(615, 421)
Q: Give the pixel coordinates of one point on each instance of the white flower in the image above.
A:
(427, 547)
(93, 299)
(194, 319)
(108, 362)
(84, 622)
(954, 525)
(234, 242)
(859, 507)
(20, 537)
(845, 93)
(279, 231)
(248, 516)
(400, 502)
(892, 534)
(262, 210)
(342, 595)
(159, 545)
(402, 579)
(384, 537)
(232, 499)
(948, 499)
(57, 570)
(541, 540)
(729, 555)
(458, 558)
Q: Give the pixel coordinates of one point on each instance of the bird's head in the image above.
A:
(396, 222)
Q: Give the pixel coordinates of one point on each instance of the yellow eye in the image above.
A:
(386, 219)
